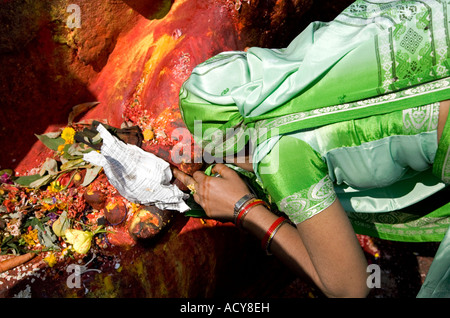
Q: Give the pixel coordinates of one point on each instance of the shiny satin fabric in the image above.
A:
(377, 165)
(374, 58)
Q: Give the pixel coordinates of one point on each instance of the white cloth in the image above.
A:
(139, 176)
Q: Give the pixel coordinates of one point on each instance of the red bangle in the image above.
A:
(247, 208)
(267, 239)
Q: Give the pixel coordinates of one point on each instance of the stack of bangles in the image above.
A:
(244, 205)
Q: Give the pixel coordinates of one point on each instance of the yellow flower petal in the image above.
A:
(68, 135)
(80, 240)
(61, 148)
(51, 259)
(148, 134)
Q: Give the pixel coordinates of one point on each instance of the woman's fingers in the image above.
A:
(199, 176)
(186, 179)
(180, 175)
(223, 170)
(194, 183)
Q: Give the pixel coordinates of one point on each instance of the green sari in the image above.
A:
(375, 58)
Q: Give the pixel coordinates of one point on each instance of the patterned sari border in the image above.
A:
(414, 92)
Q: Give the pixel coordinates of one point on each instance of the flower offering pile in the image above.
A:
(68, 209)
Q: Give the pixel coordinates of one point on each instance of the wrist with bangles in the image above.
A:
(242, 208)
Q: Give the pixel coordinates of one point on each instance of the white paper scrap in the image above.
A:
(139, 176)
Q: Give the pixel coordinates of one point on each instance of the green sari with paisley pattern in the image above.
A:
(322, 104)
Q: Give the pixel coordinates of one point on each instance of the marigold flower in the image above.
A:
(55, 186)
(61, 148)
(51, 259)
(31, 238)
(80, 240)
(68, 135)
(148, 134)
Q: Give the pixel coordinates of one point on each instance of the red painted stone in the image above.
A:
(115, 210)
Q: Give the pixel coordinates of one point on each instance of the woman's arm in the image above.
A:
(323, 247)
(326, 249)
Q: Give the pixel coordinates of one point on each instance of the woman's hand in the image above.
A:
(217, 196)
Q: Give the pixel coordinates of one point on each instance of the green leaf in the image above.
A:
(47, 237)
(8, 244)
(45, 234)
(68, 153)
(91, 174)
(7, 171)
(51, 143)
(36, 223)
(76, 150)
(80, 109)
(72, 164)
(53, 134)
(42, 181)
(96, 139)
(196, 210)
(60, 226)
(51, 166)
(27, 180)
